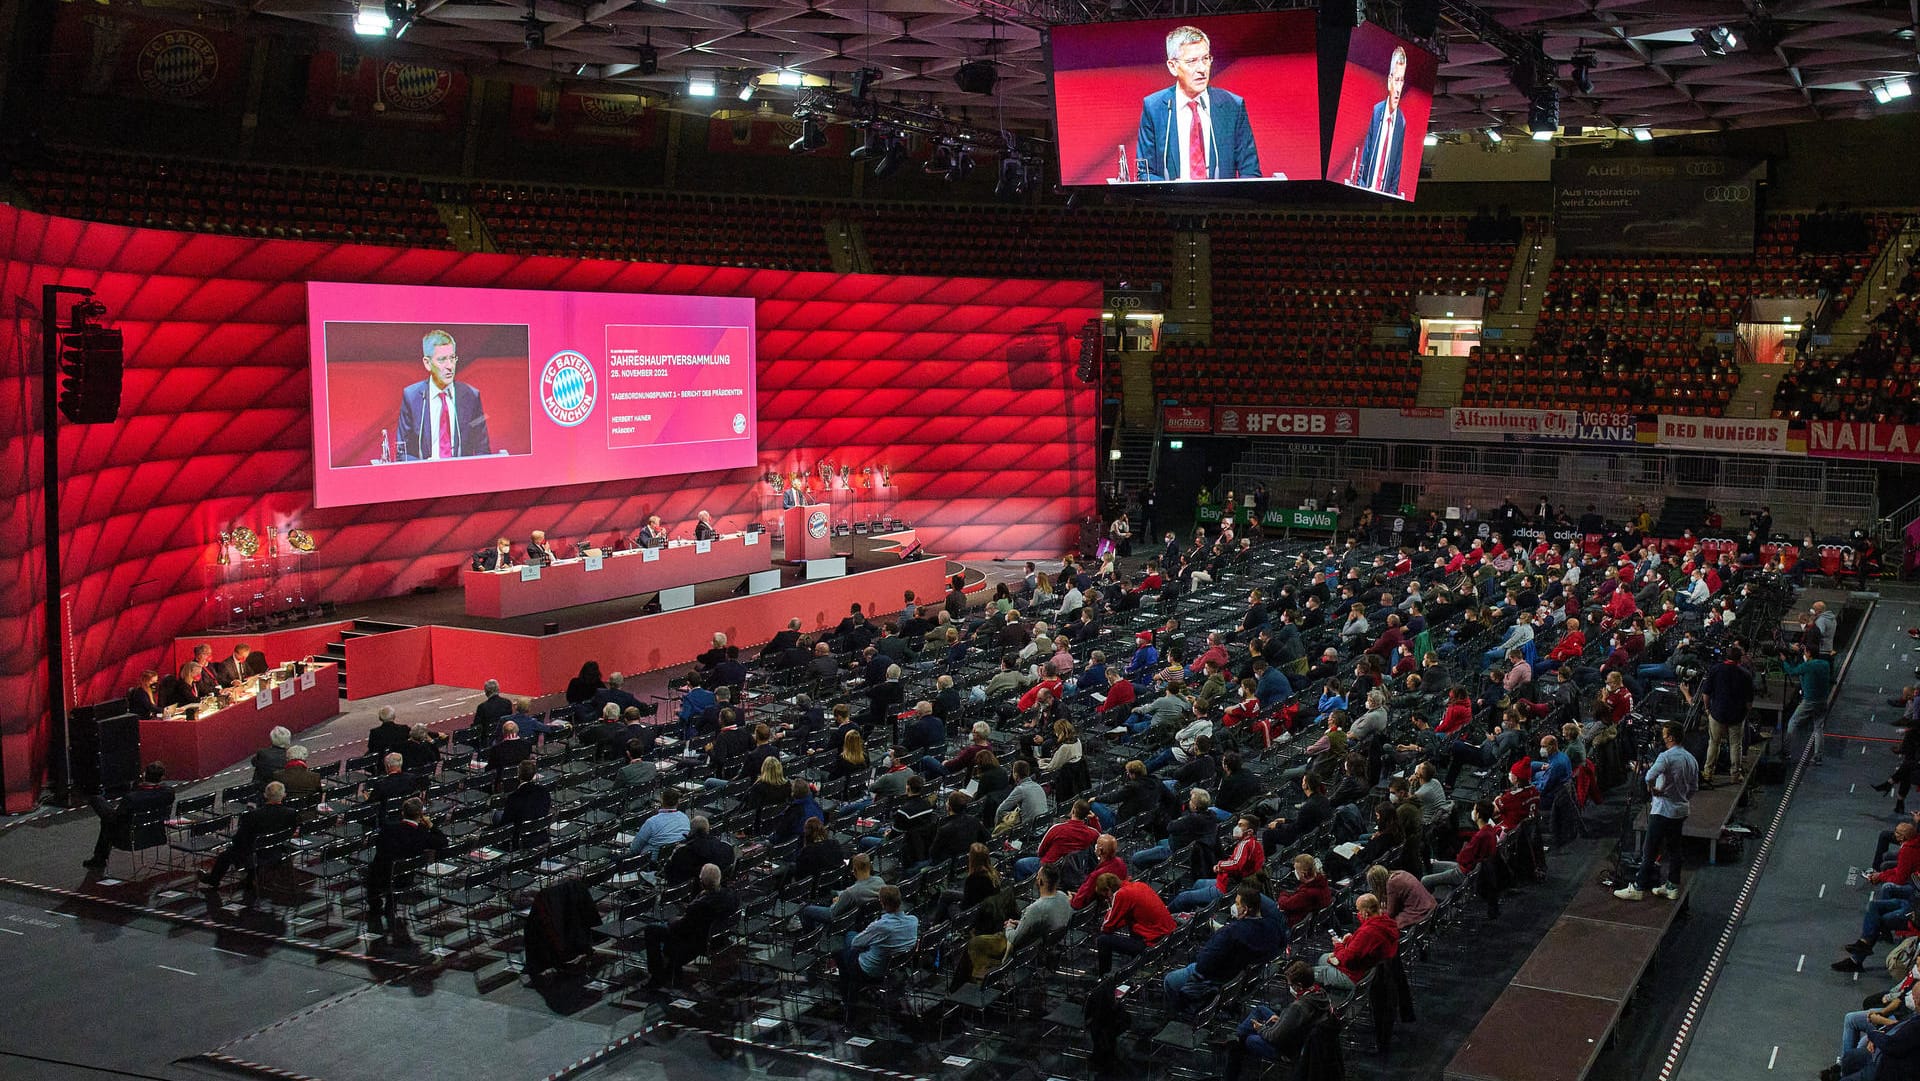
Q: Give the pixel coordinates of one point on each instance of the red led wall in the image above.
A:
(961, 389)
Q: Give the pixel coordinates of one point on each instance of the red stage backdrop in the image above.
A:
(961, 389)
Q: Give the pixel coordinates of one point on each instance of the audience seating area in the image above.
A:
(239, 200)
(1635, 332)
(1296, 298)
(723, 230)
(1035, 1005)
(1879, 379)
(1108, 245)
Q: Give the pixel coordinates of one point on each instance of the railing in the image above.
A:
(1878, 288)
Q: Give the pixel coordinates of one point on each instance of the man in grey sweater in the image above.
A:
(1047, 914)
(865, 890)
(1027, 796)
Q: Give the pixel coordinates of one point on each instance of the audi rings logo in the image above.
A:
(817, 524)
(1729, 193)
(567, 386)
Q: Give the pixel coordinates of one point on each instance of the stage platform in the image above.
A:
(425, 638)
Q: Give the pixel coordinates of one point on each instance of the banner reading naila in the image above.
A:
(110, 54)
(1863, 439)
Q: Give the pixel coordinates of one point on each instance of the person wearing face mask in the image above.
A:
(1281, 1036)
(1246, 858)
(1247, 940)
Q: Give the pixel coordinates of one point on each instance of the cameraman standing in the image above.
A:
(1728, 689)
(1816, 683)
(1672, 780)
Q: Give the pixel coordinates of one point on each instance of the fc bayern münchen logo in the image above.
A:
(817, 524)
(178, 63)
(739, 424)
(567, 387)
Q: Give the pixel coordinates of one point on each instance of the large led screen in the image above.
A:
(1208, 98)
(421, 392)
(1380, 126)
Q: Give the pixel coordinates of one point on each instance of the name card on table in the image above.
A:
(530, 572)
(287, 689)
(703, 547)
(595, 561)
(649, 555)
(264, 698)
(306, 681)
(751, 539)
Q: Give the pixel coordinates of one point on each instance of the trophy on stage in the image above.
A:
(225, 540)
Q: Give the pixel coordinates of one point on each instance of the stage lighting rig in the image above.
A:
(884, 123)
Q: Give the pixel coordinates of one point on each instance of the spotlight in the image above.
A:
(891, 158)
(1013, 178)
(536, 35)
(811, 137)
(1718, 41)
(1642, 135)
(863, 81)
(647, 59)
(746, 90)
(700, 84)
(790, 77)
(371, 19)
(939, 160)
(871, 146)
(400, 13)
(1891, 90)
(1583, 72)
(1493, 135)
(1543, 112)
(976, 77)
(1430, 140)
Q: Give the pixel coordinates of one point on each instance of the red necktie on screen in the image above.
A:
(1196, 145)
(1380, 162)
(446, 424)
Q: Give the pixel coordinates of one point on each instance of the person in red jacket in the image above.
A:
(1621, 605)
(1572, 643)
(1120, 698)
(1459, 712)
(1136, 917)
(1519, 802)
(1107, 851)
(1311, 894)
(1246, 858)
(1078, 832)
(1906, 860)
(1375, 942)
(1480, 847)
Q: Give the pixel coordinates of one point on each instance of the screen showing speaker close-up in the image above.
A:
(1380, 127)
(1214, 98)
(428, 391)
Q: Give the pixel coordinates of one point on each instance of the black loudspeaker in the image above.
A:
(1423, 17)
(105, 752)
(550, 627)
(1340, 14)
(90, 366)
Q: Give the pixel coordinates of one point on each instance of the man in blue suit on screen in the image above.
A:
(441, 418)
(1190, 130)
(1378, 165)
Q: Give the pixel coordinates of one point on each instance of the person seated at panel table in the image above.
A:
(703, 528)
(537, 550)
(652, 534)
(193, 685)
(231, 671)
(497, 558)
(143, 698)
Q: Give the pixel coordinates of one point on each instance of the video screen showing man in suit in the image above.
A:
(1380, 153)
(1193, 130)
(440, 417)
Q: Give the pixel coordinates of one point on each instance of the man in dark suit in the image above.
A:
(652, 534)
(412, 834)
(529, 804)
(439, 417)
(781, 642)
(147, 804)
(703, 528)
(699, 849)
(229, 672)
(493, 709)
(1377, 166)
(537, 550)
(271, 820)
(497, 558)
(615, 693)
(794, 496)
(1192, 130)
(509, 752)
(707, 916)
(388, 735)
(393, 785)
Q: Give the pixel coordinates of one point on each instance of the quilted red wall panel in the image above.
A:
(961, 389)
